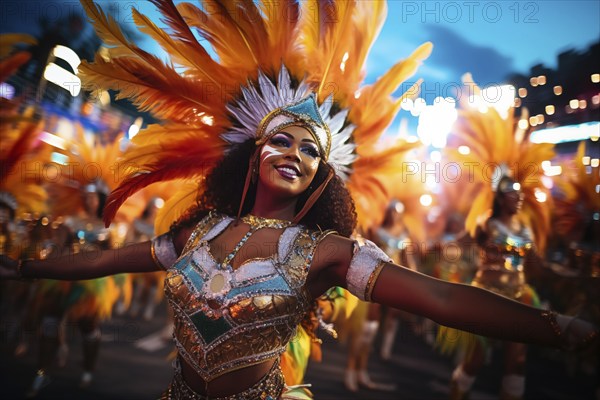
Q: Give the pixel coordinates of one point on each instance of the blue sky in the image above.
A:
(490, 39)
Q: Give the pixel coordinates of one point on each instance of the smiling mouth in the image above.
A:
(288, 172)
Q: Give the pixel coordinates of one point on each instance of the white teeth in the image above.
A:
(288, 171)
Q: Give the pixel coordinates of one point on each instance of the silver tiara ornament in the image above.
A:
(265, 108)
(502, 180)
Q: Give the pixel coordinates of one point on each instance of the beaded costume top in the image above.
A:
(512, 246)
(227, 319)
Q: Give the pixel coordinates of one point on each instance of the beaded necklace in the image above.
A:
(219, 283)
(255, 224)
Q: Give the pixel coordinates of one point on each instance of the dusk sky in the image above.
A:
(487, 38)
(490, 39)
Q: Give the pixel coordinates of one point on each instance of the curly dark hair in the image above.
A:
(224, 185)
(223, 188)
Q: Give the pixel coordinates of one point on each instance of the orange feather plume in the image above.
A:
(324, 43)
(492, 141)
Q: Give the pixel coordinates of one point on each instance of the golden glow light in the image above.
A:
(551, 170)
(523, 124)
(464, 150)
(135, 127)
(595, 78)
(104, 97)
(540, 195)
(574, 104)
(343, 63)
(540, 119)
(133, 130)
(558, 90)
(550, 109)
(546, 164)
(207, 120)
(522, 92)
(533, 81)
(533, 121)
(541, 80)
(585, 160)
(554, 170)
(582, 104)
(426, 200)
(595, 162)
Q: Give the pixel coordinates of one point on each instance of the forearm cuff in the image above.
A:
(366, 264)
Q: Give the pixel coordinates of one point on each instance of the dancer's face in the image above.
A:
(91, 202)
(513, 201)
(289, 161)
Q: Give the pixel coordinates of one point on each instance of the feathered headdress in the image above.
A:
(580, 200)
(500, 155)
(90, 167)
(404, 186)
(169, 194)
(19, 131)
(274, 62)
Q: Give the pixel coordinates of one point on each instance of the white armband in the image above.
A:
(163, 251)
(365, 266)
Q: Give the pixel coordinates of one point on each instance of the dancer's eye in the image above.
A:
(280, 140)
(311, 150)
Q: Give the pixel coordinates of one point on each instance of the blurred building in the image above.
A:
(565, 96)
(64, 106)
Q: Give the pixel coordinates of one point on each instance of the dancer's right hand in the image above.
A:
(8, 268)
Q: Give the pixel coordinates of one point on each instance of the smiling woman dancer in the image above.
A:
(270, 231)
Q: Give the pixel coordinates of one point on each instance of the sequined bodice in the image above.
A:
(512, 246)
(226, 318)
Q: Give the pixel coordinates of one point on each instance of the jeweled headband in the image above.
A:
(304, 113)
(267, 107)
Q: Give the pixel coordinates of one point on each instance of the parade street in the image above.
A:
(134, 364)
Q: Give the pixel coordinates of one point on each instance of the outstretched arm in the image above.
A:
(476, 310)
(368, 273)
(150, 256)
(84, 265)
